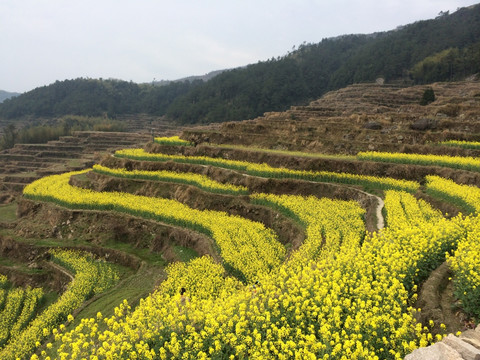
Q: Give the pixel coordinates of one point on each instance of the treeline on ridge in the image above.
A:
(442, 49)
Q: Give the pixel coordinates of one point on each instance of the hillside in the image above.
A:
(362, 117)
(7, 95)
(288, 239)
(441, 49)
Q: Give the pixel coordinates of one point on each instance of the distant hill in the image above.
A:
(441, 49)
(7, 95)
(205, 77)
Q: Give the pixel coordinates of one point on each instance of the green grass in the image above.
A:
(184, 254)
(286, 152)
(8, 213)
(74, 163)
(23, 174)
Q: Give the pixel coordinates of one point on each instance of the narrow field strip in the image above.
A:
(245, 245)
(461, 144)
(91, 277)
(201, 181)
(286, 152)
(268, 171)
(172, 140)
(465, 265)
(456, 162)
(409, 210)
(331, 225)
(466, 196)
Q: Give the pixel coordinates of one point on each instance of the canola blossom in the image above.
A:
(341, 295)
(201, 276)
(350, 304)
(265, 170)
(467, 196)
(20, 307)
(3, 281)
(245, 245)
(330, 224)
(408, 210)
(416, 220)
(91, 277)
(10, 312)
(465, 265)
(17, 308)
(461, 144)
(29, 309)
(172, 140)
(456, 162)
(201, 181)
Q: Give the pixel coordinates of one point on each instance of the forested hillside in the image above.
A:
(6, 95)
(441, 49)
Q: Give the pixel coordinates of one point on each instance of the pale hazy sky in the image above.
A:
(47, 40)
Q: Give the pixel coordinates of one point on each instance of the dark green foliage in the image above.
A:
(448, 65)
(446, 48)
(428, 97)
(9, 137)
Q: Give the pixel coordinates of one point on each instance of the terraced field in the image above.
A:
(185, 248)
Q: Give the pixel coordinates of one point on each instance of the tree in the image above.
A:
(428, 97)
(9, 137)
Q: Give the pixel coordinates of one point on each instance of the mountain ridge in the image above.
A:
(7, 95)
(442, 49)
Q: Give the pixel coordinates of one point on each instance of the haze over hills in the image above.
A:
(442, 49)
(7, 95)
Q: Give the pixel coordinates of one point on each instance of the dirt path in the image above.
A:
(437, 301)
(380, 219)
(62, 270)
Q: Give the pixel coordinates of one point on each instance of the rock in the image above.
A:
(468, 351)
(472, 337)
(438, 351)
(424, 124)
(372, 125)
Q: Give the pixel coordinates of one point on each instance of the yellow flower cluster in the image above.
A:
(456, 162)
(172, 140)
(348, 304)
(85, 263)
(21, 306)
(421, 232)
(201, 181)
(91, 276)
(201, 277)
(10, 312)
(467, 196)
(265, 170)
(342, 295)
(247, 246)
(404, 209)
(18, 306)
(3, 281)
(330, 224)
(462, 144)
(465, 265)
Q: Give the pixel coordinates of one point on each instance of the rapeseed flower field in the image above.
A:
(343, 293)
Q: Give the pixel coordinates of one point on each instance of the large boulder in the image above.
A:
(424, 124)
